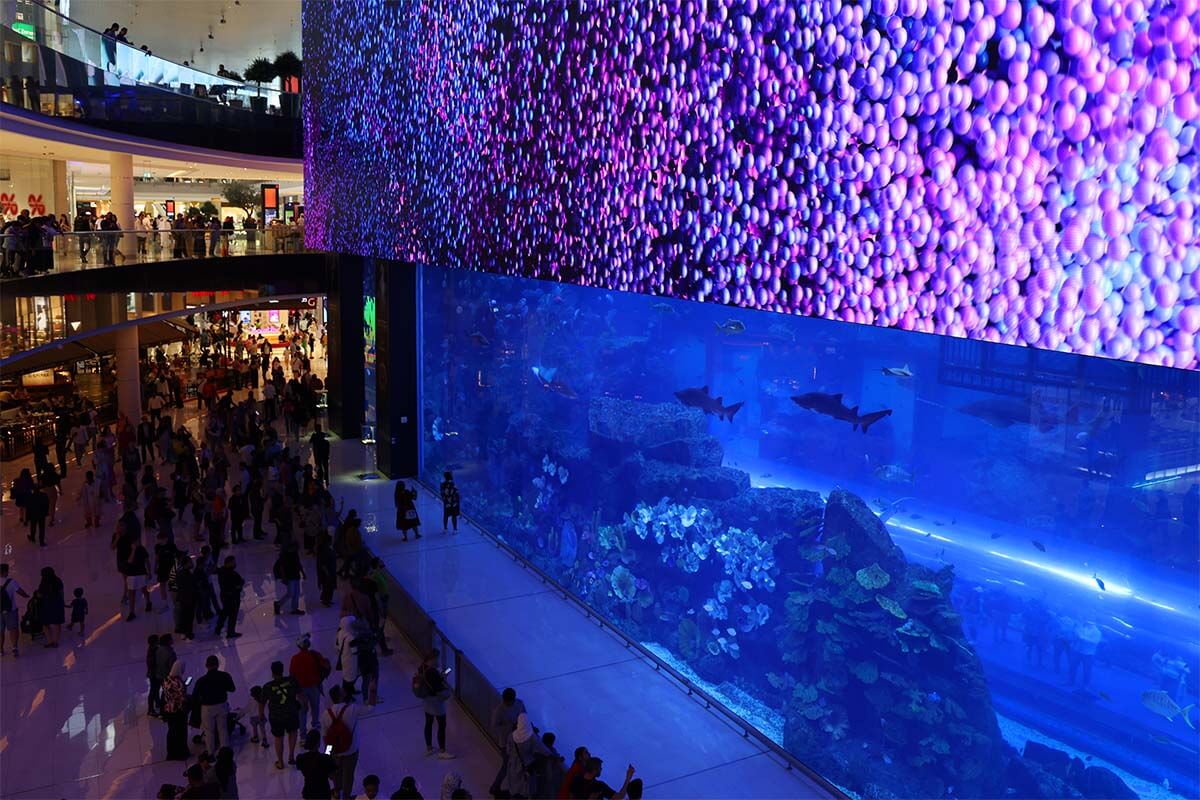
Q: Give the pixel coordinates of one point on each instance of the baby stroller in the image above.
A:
(31, 620)
(234, 720)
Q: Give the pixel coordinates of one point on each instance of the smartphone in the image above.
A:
(328, 749)
(188, 682)
(448, 670)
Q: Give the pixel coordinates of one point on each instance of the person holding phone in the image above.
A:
(174, 711)
(317, 767)
(341, 739)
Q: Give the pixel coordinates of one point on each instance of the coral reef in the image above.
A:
(877, 656)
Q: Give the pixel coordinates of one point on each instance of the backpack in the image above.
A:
(324, 669)
(6, 601)
(338, 735)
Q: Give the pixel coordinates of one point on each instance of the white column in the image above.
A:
(61, 199)
(120, 168)
(129, 377)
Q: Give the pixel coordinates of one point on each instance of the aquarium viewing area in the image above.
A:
(834, 363)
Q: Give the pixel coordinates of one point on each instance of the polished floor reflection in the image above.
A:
(73, 720)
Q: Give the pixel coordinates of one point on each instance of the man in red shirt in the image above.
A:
(309, 668)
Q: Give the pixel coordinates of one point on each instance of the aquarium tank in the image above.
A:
(925, 566)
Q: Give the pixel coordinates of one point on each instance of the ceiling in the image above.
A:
(176, 30)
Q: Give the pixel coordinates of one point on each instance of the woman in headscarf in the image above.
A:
(174, 711)
(523, 749)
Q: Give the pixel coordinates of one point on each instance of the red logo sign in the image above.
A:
(36, 206)
(8, 204)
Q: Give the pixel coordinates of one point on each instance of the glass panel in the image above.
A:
(895, 554)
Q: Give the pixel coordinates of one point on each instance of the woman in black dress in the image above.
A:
(53, 608)
(406, 511)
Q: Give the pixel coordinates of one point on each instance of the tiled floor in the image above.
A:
(577, 679)
(72, 719)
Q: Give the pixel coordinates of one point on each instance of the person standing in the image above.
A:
(450, 502)
(174, 711)
(250, 225)
(309, 668)
(152, 698)
(89, 500)
(52, 483)
(407, 518)
(430, 685)
(212, 696)
(317, 768)
(37, 510)
(164, 660)
(523, 749)
(504, 719)
(10, 622)
(182, 585)
(320, 450)
(288, 571)
(83, 227)
(137, 575)
(53, 605)
(230, 584)
(282, 694)
(239, 510)
(341, 737)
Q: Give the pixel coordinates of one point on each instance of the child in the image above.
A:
(258, 720)
(371, 787)
(79, 610)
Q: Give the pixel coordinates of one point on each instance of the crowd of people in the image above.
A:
(186, 505)
(29, 243)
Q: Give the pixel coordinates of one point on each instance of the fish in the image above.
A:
(1038, 545)
(663, 308)
(997, 535)
(560, 388)
(898, 372)
(831, 405)
(1165, 706)
(867, 420)
(1003, 413)
(1099, 582)
(479, 339)
(887, 510)
(703, 400)
(1104, 696)
(934, 697)
(545, 374)
(730, 327)
(1158, 737)
(915, 516)
(893, 473)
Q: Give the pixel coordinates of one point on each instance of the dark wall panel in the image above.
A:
(397, 310)
(345, 345)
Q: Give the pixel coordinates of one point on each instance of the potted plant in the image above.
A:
(288, 65)
(259, 72)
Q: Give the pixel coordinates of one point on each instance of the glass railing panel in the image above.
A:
(928, 564)
(125, 62)
(72, 252)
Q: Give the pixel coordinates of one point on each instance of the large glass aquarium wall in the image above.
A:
(928, 567)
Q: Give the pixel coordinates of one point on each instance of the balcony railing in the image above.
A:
(71, 252)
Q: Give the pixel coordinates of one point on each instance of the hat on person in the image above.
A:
(304, 641)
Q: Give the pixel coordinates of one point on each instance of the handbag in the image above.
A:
(410, 514)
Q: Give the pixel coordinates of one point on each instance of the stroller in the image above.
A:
(31, 620)
(233, 721)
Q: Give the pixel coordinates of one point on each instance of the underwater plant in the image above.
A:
(624, 585)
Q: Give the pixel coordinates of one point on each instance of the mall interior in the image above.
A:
(637, 398)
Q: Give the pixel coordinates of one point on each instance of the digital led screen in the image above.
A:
(1017, 171)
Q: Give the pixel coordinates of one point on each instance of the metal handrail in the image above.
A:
(710, 702)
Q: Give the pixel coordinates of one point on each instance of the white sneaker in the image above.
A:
(445, 755)
(428, 751)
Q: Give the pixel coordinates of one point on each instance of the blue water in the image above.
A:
(1015, 535)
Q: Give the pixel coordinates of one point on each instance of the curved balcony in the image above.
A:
(55, 67)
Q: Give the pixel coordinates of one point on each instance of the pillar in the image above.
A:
(60, 202)
(344, 380)
(129, 375)
(397, 369)
(120, 168)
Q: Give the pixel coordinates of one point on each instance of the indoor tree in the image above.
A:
(241, 194)
(259, 72)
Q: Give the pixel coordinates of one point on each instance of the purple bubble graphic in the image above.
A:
(1019, 171)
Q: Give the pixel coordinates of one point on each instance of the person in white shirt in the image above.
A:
(9, 618)
(155, 404)
(141, 227)
(347, 760)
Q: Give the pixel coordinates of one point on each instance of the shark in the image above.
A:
(831, 405)
(701, 399)
(898, 372)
